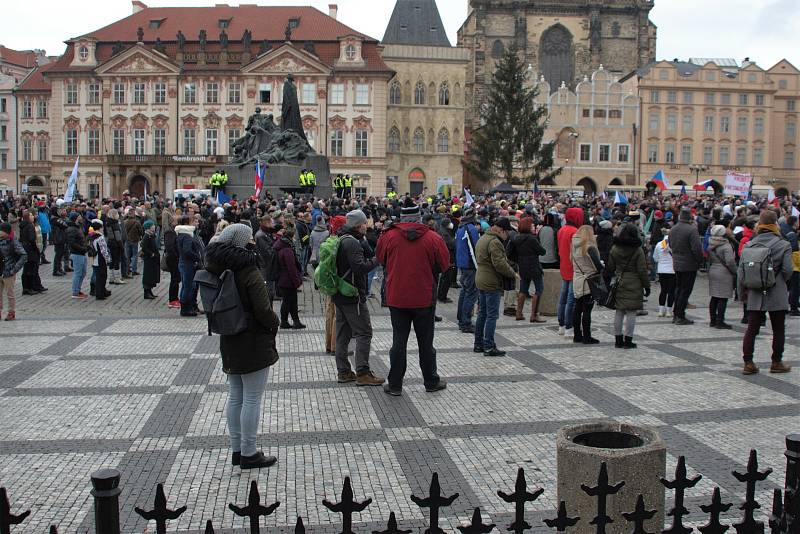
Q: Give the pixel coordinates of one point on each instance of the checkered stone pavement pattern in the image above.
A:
(126, 383)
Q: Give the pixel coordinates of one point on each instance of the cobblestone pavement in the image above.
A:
(126, 383)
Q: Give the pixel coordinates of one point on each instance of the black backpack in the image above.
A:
(222, 305)
(271, 264)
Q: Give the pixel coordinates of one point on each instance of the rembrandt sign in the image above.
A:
(194, 159)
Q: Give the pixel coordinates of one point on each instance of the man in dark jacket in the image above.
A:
(76, 245)
(413, 255)
(133, 235)
(354, 261)
(13, 258)
(466, 240)
(445, 230)
(58, 236)
(687, 257)
(789, 232)
(265, 241)
(31, 283)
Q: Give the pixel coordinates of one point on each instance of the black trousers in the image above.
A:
(684, 284)
(666, 297)
(58, 257)
(289, 305)
(582, 317)
(174, 285)
(716, 309)
(794, 291)
(30, 275)
(445, 279)
(422, 320)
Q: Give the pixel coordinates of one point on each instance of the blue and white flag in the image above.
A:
(72, 182)
(620, 198)
(469, 200)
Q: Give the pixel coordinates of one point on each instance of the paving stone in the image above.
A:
(105, 373)
(134, 345)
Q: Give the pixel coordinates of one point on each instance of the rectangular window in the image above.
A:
(94, 190)
(614, 113)
(653, 122)
(708, 124)
(686, 154)
(669, 153)
(212, 93)
(233, 135)
(265, 93)
(3, 161)
(711, 76)
(41, 109)
(361, 144)
(760, 99)
(138, 93)
(27, 109)
(791, 105)
(189, 93)
(672, 97)
(758, 126)
(138, 142)
(688, 97)
(159, 93)
(118, 141)
(788, 159)
(687, 124)
(189, 142)
(726, 99)
(234, 93)
(71, 138)
(337, 143)
(119, 93)
(711, 99)
(4, 133)
(741, 125)
(743, 99)
(652, 153)
(672, 123)
(655, 97)
(708, 155)
(93, 94)
(586, 152)
(360, 192)
(362, 94)
(724, 125)
(337, 94)
(93, 142)
(3, 105)
(211, 142)
(159, 142)
(309, 93)
(41, 149)
(791, 131)
(27, 149)
(71, 94)
(758, 157)
(623, 153)
(741, 156)
(587, 113)
(599, 114)
(724, 155)
(604, 154)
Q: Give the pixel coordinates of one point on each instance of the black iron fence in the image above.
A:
(784, 519)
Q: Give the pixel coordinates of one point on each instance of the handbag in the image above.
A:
(597, 285)
(610, 301)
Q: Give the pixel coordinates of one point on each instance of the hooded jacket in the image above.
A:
(353, 262)
(687, 247)
(13, 254)
(466, 230)
(493, 265)
(255, 348)
(413, 255)
(628, 263)
(76, 239)
(574, 217)
(288, 276)
(190, 248)
(775, 298)
(318, 235)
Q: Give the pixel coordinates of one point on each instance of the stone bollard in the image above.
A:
(635, 455)
(548, 300)
(105, 490)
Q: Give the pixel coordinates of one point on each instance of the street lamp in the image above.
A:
(697, 169)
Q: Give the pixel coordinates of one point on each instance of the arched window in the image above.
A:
(444, 94)
(395, 95)
(393, 140)
(419, 140)
(443, 141)
(419, 94)
(497, 49)
(556, 58)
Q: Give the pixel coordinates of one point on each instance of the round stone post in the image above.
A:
(105, 490)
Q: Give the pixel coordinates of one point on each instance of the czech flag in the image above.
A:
(259, 178)
(620, 198)
(702, 186)
(660, 180)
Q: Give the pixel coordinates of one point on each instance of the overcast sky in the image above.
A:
(764, 30)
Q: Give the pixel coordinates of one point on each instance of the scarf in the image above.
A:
(762, 228)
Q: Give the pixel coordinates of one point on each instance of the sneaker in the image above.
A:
(346, 376)
(122, 281)
(389, 390)
(286, 326)
(749, 368)
(722, 325)
(477, 348)
(494, 352)
(794, 313)
(561, 330)
(662, 311)
(669, 313)
(257, 461)
(683, 321)
(468, 330)
(81, 296)
(174, 304)
(298, 326)
(368, 379)
(437, 318)
(236, 458)
(438, 386)
(590, 341)
(779, 367)
(11, 316)
(446, 300)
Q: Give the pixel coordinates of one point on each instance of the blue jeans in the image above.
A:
(370, 278)
(485, 323)
(188, 294)
(79, 264)
(245, 395)
(566, 304)
(466, 297)
(132, 254)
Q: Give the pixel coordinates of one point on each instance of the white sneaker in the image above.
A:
(662, 311)
(669, 312)
(568, 332)
(561, 330)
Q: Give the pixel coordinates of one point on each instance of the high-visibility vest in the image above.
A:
(223, 178)
(311, 179)
(303, 179)
(213, 179)
(391, 195)
(348, 182)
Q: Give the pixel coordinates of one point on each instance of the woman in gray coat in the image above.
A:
(721, 276)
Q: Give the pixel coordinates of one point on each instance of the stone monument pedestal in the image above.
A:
(548, 300)
(279, 178)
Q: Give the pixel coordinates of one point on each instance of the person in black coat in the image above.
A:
(445, 229)
(171, 263)
(151, 274)
(58, 236)
(524, 249)
(604, 234)
(31, 283)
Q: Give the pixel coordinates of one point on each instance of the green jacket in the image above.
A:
(493, 265)
(628, 264)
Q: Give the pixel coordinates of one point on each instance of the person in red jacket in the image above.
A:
(412, 255)
(566, 300)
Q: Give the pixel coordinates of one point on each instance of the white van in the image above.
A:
(188, 194)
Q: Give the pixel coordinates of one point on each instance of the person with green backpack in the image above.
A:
(344, 262)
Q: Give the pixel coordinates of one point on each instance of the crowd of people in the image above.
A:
(409, 254)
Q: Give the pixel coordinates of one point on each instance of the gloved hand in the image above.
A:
(646, 292)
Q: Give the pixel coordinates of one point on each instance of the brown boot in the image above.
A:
(749, 368)
(535, 310)
(368, 379)
(346, 376)
(779, 367)
(521, 306)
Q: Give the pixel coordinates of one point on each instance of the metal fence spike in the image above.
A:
(715, 509)
(680, 484)
(520, 496)
(299, 527)
(254, 509)
(477, 526)
(6, 517)
(160, 513)
(209, 527)
(562, 521)
(347, 506)
(602, 491)
(391, 527)
(434, 501)
(639, 515)
(777, 521)
(53, 529)
(751, 477)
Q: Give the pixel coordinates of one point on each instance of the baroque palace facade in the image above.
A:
(153, 101)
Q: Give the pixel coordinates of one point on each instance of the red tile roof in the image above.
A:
(22, 58)
(265, 22)
(35, 81)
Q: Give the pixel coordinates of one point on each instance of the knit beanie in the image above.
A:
(148, 223)
(410, 213)
(238, 235)
(718, 230)
(355, 218)
(73, 216)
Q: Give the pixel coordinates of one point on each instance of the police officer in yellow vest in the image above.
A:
(391, 195)
(348, 186)
(223, 180)
(303, 181)
(338, 186)
(213, 182)
(311, 181)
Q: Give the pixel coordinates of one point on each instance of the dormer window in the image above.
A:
(403, 27)
(83, 53)
(294, 23)
(350, 52)
(224, 23)
(156, 24)
(433, 28)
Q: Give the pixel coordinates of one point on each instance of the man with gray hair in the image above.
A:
(354, 260)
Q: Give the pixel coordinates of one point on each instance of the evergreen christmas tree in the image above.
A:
(509, 143)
